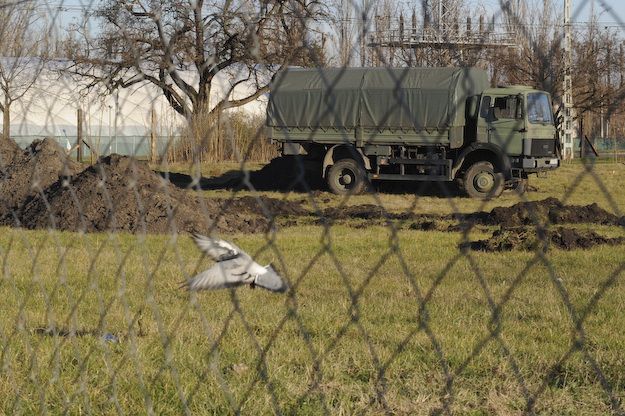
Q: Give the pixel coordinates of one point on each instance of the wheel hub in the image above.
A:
(346, 178)
(484, 181)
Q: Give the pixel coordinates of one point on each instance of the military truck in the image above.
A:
(415, 124)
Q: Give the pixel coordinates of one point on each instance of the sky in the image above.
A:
(610, 12)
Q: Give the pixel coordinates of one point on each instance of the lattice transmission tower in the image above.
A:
(440, 27)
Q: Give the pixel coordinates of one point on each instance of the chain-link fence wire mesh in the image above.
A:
(410, 299)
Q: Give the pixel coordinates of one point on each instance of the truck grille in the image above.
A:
(543, 147)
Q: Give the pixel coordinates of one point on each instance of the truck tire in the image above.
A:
(482, 181)
(347, 177)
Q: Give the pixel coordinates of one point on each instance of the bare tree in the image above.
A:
(598, 84)
(344, 32)
(537, 60)
(24, 51)
(181, 46)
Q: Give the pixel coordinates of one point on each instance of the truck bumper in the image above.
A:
(534, 164)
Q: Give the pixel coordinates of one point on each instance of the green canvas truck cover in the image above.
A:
(373, 98)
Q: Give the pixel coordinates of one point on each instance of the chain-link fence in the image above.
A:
(397, 292)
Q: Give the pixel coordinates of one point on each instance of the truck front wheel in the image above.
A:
(482, 181)
(346, 177)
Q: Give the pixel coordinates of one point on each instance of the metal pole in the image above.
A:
(567, 136)
(79, 135)
(153, 138)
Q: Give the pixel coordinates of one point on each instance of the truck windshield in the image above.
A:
(539, 109)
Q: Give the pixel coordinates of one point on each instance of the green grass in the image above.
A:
(378, 320)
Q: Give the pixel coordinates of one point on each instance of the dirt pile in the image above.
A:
(117, 193)
(41, 187)
(526, 226)
(30, 172)
(547, 211)
(550, 211)
(8, 149)
(121, 194)
(530, 239)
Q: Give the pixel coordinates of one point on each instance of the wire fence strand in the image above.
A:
(407, 298)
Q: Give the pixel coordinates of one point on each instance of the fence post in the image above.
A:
(79, 136)
(153, 138)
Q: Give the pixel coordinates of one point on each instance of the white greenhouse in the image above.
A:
(121, 122)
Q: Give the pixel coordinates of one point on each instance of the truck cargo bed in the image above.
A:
(372, 105)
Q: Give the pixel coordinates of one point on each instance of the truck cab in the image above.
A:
(519, 121)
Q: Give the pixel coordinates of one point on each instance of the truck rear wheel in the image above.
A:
(346, 177)
(482, 181)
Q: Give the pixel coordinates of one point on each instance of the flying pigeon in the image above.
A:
(234, 267)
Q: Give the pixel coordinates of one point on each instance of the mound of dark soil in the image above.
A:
(42, 188)
(528, 238)
(548, 211)
(29, 172)
(518, 226)
(8, 149)
(115, 194)
(119, 193)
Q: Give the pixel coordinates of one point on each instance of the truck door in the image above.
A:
(506, 125)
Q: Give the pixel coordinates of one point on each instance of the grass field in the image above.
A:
(378, 320)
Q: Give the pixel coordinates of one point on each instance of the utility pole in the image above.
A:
(567, 101)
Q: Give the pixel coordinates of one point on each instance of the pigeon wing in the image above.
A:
(221, 275)
(271, 280)
(216, 248)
